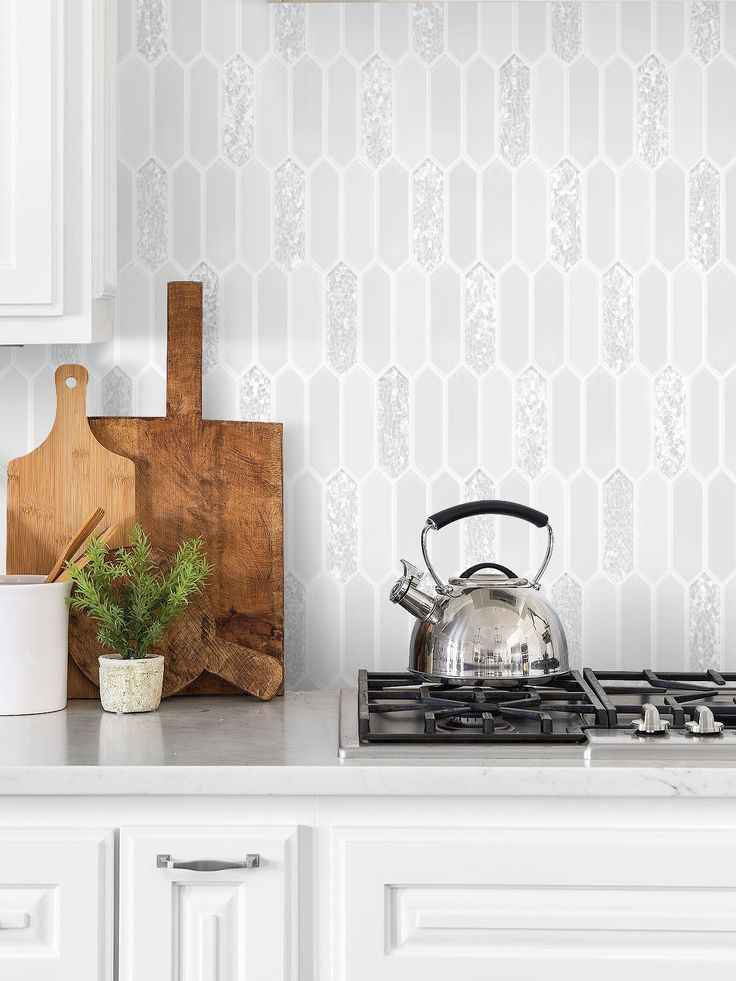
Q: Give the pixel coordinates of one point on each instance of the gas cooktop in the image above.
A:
(637, 715)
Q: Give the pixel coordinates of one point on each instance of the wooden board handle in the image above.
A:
(71, 395)
(184, 350)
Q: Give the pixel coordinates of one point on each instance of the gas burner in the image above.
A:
(633, 707)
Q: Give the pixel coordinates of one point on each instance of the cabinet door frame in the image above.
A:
(100, 843)
(142, 884)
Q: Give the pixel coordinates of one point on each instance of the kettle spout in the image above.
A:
(407, 594)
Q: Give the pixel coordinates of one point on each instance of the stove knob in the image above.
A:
(704, 724)
(650, 723)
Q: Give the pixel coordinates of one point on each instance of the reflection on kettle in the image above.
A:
(482, 625)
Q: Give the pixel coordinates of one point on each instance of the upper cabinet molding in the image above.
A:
(58, 129)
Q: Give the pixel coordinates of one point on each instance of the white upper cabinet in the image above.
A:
(57, 170)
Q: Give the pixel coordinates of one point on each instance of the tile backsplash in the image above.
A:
(461, 251)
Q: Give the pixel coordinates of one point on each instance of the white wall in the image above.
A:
(459, 251)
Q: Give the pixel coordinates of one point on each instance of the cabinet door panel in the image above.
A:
(31, 166)
(56, 905)
(217, 925)
(425, 904)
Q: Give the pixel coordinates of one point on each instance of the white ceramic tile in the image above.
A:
(531, 29)
(600, 29)
(220, 237)
(376, 530)
(704, 436)
(375, 319)
(444, 110)
(618, 111)
(548, 117)
(686, 530)
(135, 142)
(220, 34)
(652, 318)
(358, 436)
(635, 28)
(496, 441)
(289, 408)
(600, 215)
(445, 329)
(720, 300)
(549, 318)
(271, 306)
(186, 28)
(306, 319)
(169, 83)
(513, 347)
(324, 408)
(394, 29)
(496, 211)
(462, 206)
(479, 121)
(204, 103)
(635, 422)
(584, 318)
(634, 201)
(393, 214)
(669, 27)
(359, 28)
(531, 215)
(429, 420)
(237, 318)
(462, 419)
(670, 215)
(653, 538)
(687, 111)
(600, 422)
(687, 319)
(497, 29)
(323, 30)
(256, 215)
(357, 207)
(584, 118)
(308, 110)
(462, 29)
(324, 204)
(565, 415)
(411, 332)
(411, 112)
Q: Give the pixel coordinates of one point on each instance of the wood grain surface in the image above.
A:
(52, 489)
(221, 480)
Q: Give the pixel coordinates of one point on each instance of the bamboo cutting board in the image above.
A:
(52, 489)
(221, 480)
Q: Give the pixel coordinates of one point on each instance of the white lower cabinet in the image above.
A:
(426, 905)
(208, 922)
(56, 905)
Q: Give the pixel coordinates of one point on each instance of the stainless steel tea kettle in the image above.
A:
(482, 626)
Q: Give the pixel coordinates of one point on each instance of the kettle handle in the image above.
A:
(470, 509)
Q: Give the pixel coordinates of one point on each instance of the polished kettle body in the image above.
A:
(483, 626)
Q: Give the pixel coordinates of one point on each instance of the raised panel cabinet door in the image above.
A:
(495, 903)
(57, 170)
(56, 905)
(208, 904)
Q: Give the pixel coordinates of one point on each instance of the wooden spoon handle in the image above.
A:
(105, 537)
(72, 546)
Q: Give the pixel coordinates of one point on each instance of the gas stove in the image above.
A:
(636, 716)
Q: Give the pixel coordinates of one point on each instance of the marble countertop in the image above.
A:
(287, 747)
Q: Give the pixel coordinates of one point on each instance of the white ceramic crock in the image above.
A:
(34, 633)
(131, 685)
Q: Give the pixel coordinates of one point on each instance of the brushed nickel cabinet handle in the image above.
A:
(15, 921)
(207, 865)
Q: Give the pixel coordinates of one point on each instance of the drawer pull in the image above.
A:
(15, 921)
(207, 865)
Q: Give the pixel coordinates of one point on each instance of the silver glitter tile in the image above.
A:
(393, 422)
(705, 29)
(428, 30)
(567, 29)
(117, 393)
(618, 318)
(237, 111)
(565, 207)
(429, 215)
(290, 30)
(255, 396)
(152, 28)
(342, 318)
(670, 422)
(653, 118)
(295, 631)
(567, 599)
(531, 422)
(152, 202)
(479, 533)
(480, 319)
(377, 111)
(342, 526)
(64, 354)
(288, 215)
(705, 215)
(513, 106)
(618, 526)
(210, 315)
(705, 624)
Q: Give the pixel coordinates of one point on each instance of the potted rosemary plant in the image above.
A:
(133, 600)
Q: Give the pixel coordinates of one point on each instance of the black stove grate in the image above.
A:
(557, 711)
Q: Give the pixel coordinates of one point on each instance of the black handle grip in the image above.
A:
(471, 508)
(488, 565)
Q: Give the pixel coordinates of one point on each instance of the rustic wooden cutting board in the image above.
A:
(221, 480)
(52, 489)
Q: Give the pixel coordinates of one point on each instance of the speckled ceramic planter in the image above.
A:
(131, 685)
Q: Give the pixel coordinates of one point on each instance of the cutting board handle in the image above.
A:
(71, 396)
(184, 350)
